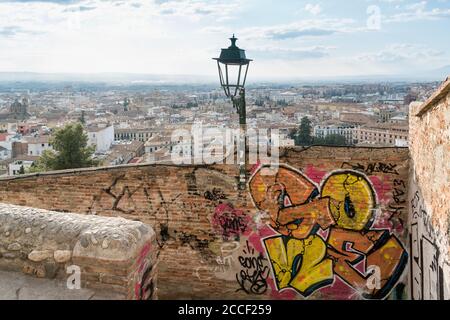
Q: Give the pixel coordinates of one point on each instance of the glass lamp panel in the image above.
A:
(234, 78)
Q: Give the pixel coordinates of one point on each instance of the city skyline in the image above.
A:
(287, 40)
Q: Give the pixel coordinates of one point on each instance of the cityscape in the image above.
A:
(135, 124)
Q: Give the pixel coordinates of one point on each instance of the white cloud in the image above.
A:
(402, 53)
(314, 9)
(196, 9)
(181, 36)
(418, 11)
(304, 53)
(305, 28)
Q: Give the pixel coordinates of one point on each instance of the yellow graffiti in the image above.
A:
(351, 200)
(300, 264)
(344, 205)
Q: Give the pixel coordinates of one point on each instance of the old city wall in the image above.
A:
(329, 223)
(429, 196)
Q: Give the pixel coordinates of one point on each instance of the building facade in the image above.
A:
(381, 134)
(101, 136)
(322, 131)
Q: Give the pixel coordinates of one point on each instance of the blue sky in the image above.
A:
(286, 38)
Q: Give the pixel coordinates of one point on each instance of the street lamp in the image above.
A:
(233, 67)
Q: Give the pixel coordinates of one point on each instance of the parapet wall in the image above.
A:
(429, 196)
(318, 229)
(113, 256)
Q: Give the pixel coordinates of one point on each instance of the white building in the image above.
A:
(37, 145)
(322, 131)
(102, 136)
(4, 153)
(6, 146)
(157, 143)
(15, 167)
(286, 142)
(402, 143)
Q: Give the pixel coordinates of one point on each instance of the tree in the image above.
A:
(331, 140)
(71, 151)
(82, 118)
(303, 136)
(22, 170)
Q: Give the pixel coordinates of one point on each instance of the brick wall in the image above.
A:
(430, 196)
(292, 235)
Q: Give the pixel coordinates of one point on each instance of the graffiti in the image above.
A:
(372, 168)
(144, 194)
(125, 194)
(429, 267)
(223, 263)
(215, 194)
(397, 209)
(230, 222)
(325, 231)
(252, 278)
(144, 285)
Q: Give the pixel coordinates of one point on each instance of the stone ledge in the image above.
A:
(44, 243)
(43, 232)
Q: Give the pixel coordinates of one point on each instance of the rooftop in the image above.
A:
(37, 140)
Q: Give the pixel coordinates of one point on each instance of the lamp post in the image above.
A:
(233, 67)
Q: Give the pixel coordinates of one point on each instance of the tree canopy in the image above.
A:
(302, 136)
(71, 151)
(331, 140)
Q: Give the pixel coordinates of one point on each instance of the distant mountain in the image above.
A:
(437, 74)
(126, 78)
(118, 79)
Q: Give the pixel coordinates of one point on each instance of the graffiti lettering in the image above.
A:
(230, 222)
(215, 194)
(343, 205)
(252, 278)
(372, 168)
(397, 209)
(428, 256)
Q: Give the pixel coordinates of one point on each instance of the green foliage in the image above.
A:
(82, 118)
(259, 102)
(282, 103)
(71, 151)
(188, 105)
(331, 140)
(22, 170)
(303, 135)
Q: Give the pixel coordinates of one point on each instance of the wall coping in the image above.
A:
(170, 164)
(101, 238)
(440, 93)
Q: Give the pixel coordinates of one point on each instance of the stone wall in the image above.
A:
(114, 257)
(330, 224)
(430, 196)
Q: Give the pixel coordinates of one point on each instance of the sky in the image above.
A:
(286, 38)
